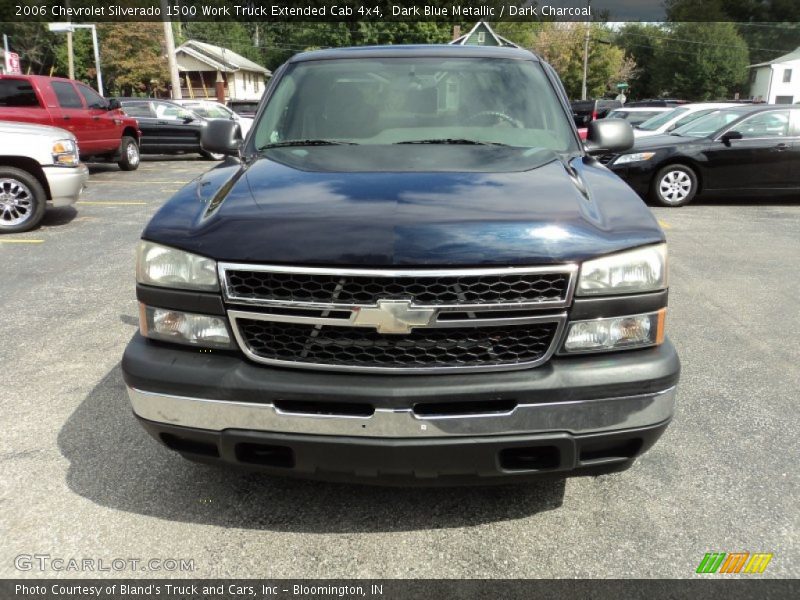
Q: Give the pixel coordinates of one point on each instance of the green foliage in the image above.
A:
(133, 58)
(639, 42)
(702, 61)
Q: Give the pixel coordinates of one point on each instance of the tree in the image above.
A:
(133, 58)
(770, 28)
(562, 45)
(702, 61)
(639, 41)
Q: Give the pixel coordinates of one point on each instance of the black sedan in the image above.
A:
(167, 128)
(747, 150)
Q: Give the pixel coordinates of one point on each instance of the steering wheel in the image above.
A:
(497, 115)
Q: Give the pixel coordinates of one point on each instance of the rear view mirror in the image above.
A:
(608, 135)
(222, 137)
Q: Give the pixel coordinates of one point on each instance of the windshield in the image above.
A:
(661, 119)
(383, 101)
(705, 126)
(210, 111)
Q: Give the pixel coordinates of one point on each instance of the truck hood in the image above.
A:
(7, 127)
(531, 210)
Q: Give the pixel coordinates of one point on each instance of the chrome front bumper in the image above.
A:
(576, 417)
(66, 183)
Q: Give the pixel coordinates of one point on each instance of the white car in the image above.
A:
(637, 114)
(39, 165)
(677, 117)
(214, 110)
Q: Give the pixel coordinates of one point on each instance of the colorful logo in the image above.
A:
(734, 562)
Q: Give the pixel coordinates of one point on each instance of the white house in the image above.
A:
(777, 81)
(199, 63)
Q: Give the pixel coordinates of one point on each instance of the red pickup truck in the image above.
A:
(102, 129)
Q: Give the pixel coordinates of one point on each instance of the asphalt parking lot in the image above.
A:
(80, 478)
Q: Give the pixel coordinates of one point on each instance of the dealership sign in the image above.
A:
(12, 64)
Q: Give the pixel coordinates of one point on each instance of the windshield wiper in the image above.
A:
(453, 141)
(286, 143)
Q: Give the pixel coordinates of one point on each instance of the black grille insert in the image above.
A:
(507, 288)
(422, 348)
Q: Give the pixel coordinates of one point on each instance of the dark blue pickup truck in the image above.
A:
(410, 271)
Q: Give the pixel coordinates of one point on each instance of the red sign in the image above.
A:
(12, 64)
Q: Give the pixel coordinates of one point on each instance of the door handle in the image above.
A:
(67, 117)
(95, 118)
(781, 147)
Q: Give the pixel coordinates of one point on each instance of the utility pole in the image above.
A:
(5, 56)
(173, 64)
(586, 52)
(70, 52)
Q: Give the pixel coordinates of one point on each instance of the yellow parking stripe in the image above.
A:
(21, 241)
(112, 203)
(93, 181)
(664, 224)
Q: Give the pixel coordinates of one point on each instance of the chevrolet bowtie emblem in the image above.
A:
(394, 316)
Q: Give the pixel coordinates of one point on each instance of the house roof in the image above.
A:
(794, 55)
(220, 59)
(501, 41)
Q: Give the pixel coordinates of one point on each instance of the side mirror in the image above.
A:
(113, 104)
(188, 118)
(730, 135)
(608, 135)
(222, 137)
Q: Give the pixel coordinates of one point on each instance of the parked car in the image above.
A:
(244, 108)
(168, 128)
(745, 150)
(586, 111)
(636, 115)
(656, 102)
(214, 110)
(101, 129)
(39, 165)
(392, 283)
(676, 117)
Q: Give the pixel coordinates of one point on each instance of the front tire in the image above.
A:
(22, 200)
(129, 152)
(674, 185)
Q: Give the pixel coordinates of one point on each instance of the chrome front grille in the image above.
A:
(399, 321)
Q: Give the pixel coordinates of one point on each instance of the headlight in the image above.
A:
(168, 267)
(65, 153)
(616, 333)
(630, 272)
(635, 157)
(184, 328)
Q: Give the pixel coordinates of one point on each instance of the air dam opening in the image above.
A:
(262, 454)
(610, 451)
(326, 409)
(449, 409)
(180, 444)
(531, 458)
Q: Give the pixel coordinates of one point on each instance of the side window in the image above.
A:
(17, 93)
(138, 109)
(170, 111)
(764, 125)
(66, 94)
(93, 99)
